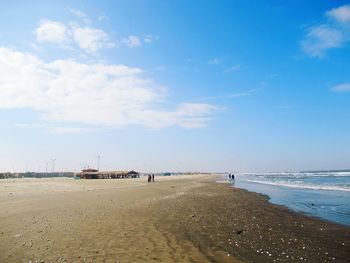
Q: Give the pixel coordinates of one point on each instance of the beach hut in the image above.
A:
(95, 174)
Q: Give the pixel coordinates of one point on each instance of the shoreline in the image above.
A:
(307, 202)
(291, 210)
(301, 238)
(175, 219)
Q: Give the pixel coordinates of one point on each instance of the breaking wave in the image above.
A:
(298, 184)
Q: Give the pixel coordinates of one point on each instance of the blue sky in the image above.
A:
(175, 85)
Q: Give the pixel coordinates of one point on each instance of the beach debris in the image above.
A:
(193, 215)
(239, 232)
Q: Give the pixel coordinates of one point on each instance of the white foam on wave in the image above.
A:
(304, 186)
(299, 174)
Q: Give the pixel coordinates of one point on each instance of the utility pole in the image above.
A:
(98, 162)
(53, 164)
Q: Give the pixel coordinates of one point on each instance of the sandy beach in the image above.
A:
(176, 219)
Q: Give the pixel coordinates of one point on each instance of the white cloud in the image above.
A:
(86, 37)
(344, 87)
(333, 33)
(52, 32)
(91, 39)
(340, 14)
(321, 38)
(232, 69)
(105, 95)
(132, 41)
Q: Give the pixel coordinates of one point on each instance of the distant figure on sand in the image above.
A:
(233, 178)
(229, 176)
(152, 177)
(149, 178)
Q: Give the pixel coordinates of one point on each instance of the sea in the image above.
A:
(322, 194)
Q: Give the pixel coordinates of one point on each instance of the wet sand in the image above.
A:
(176, 219)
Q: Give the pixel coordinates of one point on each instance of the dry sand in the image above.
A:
(175, 219)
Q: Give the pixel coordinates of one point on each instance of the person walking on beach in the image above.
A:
(233, 178)
(229, 176)
(152, 177)
(149, 178)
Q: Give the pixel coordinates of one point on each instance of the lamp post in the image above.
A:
(98, 162)
(53, 164)
(46, 167)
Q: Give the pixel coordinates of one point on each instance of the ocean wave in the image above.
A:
(299, 174)
(303, 186)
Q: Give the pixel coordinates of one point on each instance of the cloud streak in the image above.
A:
(343, 87)
(214, 61)
(232, 69)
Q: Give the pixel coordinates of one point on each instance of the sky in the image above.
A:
(243, 86)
